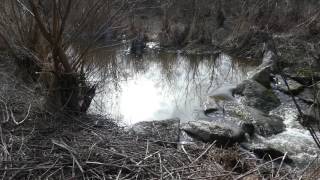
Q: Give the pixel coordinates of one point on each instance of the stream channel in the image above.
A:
(164, 85)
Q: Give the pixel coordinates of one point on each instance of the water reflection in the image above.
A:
(160, 85)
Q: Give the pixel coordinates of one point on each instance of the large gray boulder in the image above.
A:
(263, 124)
(165, 131)
(262, 75)
(257, 96)
(249, 119)
(222, 133)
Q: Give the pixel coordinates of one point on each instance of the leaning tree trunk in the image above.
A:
(65, 89)
(69, 91)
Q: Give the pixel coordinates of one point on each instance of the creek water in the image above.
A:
(163, 85)
(160, 85)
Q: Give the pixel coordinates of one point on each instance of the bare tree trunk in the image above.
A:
(192, 26)
(66, 86)
(46, 29)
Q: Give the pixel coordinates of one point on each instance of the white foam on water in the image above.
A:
(295, 140)
(298, 143)
(153, 45)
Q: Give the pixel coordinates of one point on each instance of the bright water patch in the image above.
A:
(153, 45)
(163, 85)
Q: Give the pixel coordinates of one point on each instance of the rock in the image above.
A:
(308, 96)
(270, 59)
(208, 111)
(166, 131)
(312, 117)
(222, 133)
(305, 76)
(263, 124)
(249, 119)
(257, 96)
(295, 87)
(269, 65)
(218, 97)
(262, 75)
(222, 94)
(210, 106)
(266, 152)
(229, 119)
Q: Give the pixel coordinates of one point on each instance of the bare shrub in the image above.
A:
(58, 34)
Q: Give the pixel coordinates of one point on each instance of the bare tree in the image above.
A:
(58, 34)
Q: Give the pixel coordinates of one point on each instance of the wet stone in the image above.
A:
(257, 96)
(221, 133)
(162, 131)
(295, 87)
(262, 75)
(264, 124)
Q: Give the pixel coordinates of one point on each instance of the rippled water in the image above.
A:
(161, 85)
(295, 140)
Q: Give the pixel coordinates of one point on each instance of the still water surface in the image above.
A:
(160, 85)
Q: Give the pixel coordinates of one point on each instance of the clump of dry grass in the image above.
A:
(111, 153)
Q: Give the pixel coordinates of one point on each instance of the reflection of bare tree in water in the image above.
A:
(169, 64)
(228, 70)
(180, 81)
(102, 68)
(192, 75)
(103, 65)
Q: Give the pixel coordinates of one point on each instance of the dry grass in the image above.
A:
(80, 151)
(38, 145)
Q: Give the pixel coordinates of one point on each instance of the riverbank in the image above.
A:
(37, 144)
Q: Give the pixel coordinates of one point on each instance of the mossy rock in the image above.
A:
(263, 124)
(257, 96)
